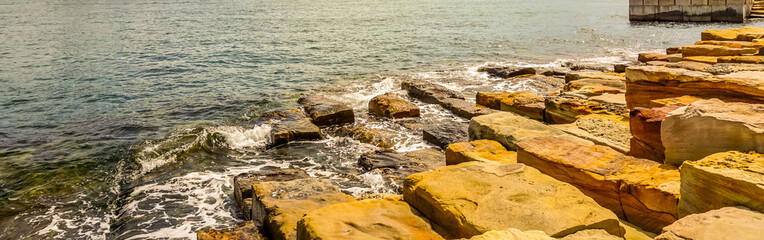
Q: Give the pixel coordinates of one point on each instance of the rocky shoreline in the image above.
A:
(668, 147)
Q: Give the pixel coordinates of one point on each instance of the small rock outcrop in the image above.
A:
(465, 109)
(324, 111)
(290, 125)
(445, 134)
(506, 71)
(566, 110)
(429, 92)
(509, 129)
(391, 106)
(733, 223)
(608, 130)
(479, 151)
(242, 185)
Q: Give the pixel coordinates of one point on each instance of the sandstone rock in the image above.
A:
(613, 83)
(491, 99)
(742, 59)
(380, 137)
(729, 223)
(647, 57)
(701, 59)
(620, 67)
(720, 180)
(714, 50)
(524, 103)
(591, 235)
(428, 92)
(644, 192)
(506, 72)
(567, 110)
(673, 50)
(283, 114)
(611, 99)
(735, 34)
(324, 111)
(445, 134)
(648, 83)
(512, 234)
(733, 44)
(473, 198)
(706, 127)
(431, 158)
(242, 185)
(577, 75)
(293, 130)
(727, 68)
(464, 109)
(391, 106)
(279, 205)
(244, 231)
(608, 130)
(695, 66)
(479, 151)
(589, 90)
(645, 125)
(509, 129)
(544, 85)
(388, 218)
(682, 101)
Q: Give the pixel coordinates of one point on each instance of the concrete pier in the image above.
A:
(690, 10)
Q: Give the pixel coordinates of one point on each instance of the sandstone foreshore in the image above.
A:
(667, 147)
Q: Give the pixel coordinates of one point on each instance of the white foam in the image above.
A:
(239, 137)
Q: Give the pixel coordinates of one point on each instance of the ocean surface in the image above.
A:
(126, 119)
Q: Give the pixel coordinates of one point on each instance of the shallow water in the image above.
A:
(107, 107)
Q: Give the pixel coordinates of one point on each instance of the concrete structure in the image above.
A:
(690, 10)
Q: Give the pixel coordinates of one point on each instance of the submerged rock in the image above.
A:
(479, 151)
(509, 129)
(721, 180)
(506, 71)
(324, 111)
(429, 92)
(733, 223)
(388, 218)
(391, 106)
(706, 127)
(473, 198)
(245, 231)
(643, 192)
(445, 134)
(242, 185)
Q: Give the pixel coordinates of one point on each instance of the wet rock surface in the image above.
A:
(324, 111)
(242, 185)
(391, 106)
(429, 92)
(465, 109)
(445, 134)
(506, 72)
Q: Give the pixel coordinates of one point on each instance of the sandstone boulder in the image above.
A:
(491, 99)
(524, 103)
(733, 44)
(464, 109)
(388, 218)
(701, 59)
(429, 92)
(612, 83)
(641, 191)
(244, 231)
(509, 129)
(391, 106)
(293, 130)
(445, 134)
(648, 57)
(324, 111)
(473, 198)
(567, 110)
(720, 180)
(729, 223)
(608, 130)
(242, 185)
(506, 71)
(279, 205)
(735, 34)
(673, 50)
(706, 127)
(512, 234)
(589, 74)
(714, 50)
(479, 151)
(645, 127)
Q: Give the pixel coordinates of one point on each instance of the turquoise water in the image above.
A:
(102, 102)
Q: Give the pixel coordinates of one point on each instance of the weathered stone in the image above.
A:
(611, 99)
(473, 198)
(293, 130)
(512, 234)
(613, 83)
(509, 129)
(392, 165)
(701, 59)
(567, 110)
(544, 85)
(713, 50)
(491, 99)
(479, 151)
(733, 44)
(589, 89)
(645, 125)
(465, 109)
(388, 218)
(242, 185)
(391, 106)
(506, 72)
(695, 66)
(727, 68)
(647, 57)
(682, 101)
(524, 103)
(742, 59)
(735, 34)
(324, 111)
(720, 180)
(445, 134)
(279, 205)
(283, 114)
(620, 67)
(673, 50)
(244, 231)
(577, 75)
(591, 235)
(644, 192)
(648, 83)
(431, 158)
(429, 92)
(380, 137)
(608, 130)
(706, 127)
(730, 223)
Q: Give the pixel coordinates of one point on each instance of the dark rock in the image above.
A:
(393, 165)
(428, 92)
(293, 130)
(673, 50)
(242, 185)
(445, 134)
(391, 106)
(380, 137)
(620, 67)
(506, 72)
(431, 158)
(465, 109)
(325, 111)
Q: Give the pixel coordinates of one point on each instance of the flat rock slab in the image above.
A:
(465, 109)
(612, 99)
(735, 34)
(608, 130)
(391, 106)
(642, 191)
(713, 50)
(706, 127)
(506, 71)
(616, 83)
(509, 129)
(741, 59)
(729, 223)
(246, 231)
(479, 151)
(242, 185)
(429, 92)
(563, 110)
(647, 83)
(388, 218)
(324, 111)
(524, 103)
(445, 134)
(512, 234)
(588, 74)
(393, 165)
(431, 158)
(721, 180)
(293, 130)
(279, 205)
(473, 198)
(380, 137)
